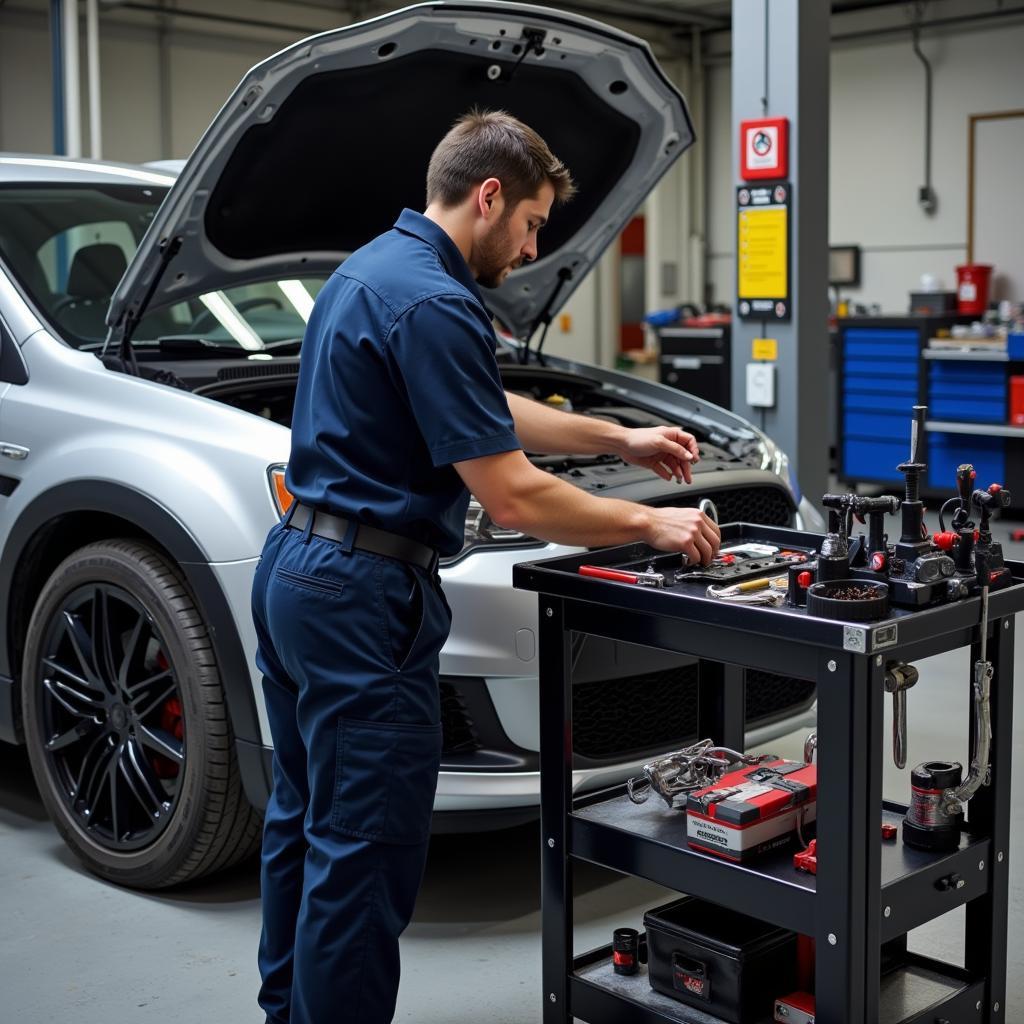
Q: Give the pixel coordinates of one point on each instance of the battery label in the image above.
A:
(927, 808)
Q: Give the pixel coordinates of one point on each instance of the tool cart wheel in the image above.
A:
(126, 724)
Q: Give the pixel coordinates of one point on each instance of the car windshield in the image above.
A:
(69, 246)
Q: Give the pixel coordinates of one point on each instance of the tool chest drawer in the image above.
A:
(947, 451)
(873, 460)
(859, 424)
(970, 392)
(878, 343)
(888, 368)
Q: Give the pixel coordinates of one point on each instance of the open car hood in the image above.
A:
(321, 146)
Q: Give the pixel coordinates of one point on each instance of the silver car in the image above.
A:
(151, 330)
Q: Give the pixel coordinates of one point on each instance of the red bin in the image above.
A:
(1017, 401)
(972, 281)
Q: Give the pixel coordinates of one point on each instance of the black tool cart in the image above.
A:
(868, 892)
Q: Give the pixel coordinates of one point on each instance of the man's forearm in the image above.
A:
(557, 511)
(548, 431)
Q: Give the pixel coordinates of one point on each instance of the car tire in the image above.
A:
(129, 739)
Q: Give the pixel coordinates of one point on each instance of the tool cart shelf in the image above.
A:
(868, 893)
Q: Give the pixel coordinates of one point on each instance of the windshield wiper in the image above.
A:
(285, 345)
(183, 345)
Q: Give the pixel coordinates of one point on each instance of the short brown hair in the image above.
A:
(493, 144)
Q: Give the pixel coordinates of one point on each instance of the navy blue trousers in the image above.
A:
(348, 648)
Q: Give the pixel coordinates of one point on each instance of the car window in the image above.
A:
(69, 245)
(57, 254)
(251, 315)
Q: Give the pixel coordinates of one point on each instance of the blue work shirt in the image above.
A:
(398, 380)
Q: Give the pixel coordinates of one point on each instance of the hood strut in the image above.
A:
(544, 317)
(168, 250)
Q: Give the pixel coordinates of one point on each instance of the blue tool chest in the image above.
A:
(879, 388)
(883, 375)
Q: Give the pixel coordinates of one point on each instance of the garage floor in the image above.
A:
(75, 949)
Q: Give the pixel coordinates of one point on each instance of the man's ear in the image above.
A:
(490, 200)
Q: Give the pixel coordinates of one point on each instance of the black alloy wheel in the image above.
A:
(111, 714)
(126, 723)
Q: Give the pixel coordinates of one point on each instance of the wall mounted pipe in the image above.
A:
(57, 73)
(72, 85)
(926, 194)
(92, 50)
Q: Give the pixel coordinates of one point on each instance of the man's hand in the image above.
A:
(684, 529)
(668, 451)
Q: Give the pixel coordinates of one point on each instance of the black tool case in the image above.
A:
(720, 961)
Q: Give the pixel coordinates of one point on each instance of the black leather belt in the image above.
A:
(367, 538)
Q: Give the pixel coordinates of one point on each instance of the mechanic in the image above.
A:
(399, 414)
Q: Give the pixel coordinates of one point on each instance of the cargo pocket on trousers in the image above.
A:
(385, 778)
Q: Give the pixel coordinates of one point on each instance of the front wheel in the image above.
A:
(126, 723)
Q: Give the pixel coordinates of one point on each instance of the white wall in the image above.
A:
(877, 156)
(161, 84)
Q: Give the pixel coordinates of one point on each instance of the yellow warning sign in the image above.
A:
(761, 252)
(765, 349)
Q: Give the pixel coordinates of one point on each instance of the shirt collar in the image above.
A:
(412, 223)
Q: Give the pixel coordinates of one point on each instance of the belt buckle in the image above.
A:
(435, 559)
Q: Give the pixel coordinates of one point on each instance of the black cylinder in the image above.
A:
(912, 516)
(823, 602)
(832, 569)
(626, 950)
(965, 551)
(927, 825)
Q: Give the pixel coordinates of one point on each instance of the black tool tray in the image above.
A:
(560, 576)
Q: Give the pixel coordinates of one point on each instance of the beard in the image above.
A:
(495, 254)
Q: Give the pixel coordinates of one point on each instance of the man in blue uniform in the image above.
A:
(399, 413)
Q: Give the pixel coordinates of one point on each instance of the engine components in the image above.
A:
(684, 770)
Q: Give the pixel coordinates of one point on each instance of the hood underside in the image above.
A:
(322, 145)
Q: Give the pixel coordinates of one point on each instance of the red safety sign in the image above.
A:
(764, 148)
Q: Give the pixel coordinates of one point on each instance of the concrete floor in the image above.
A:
(76, 949)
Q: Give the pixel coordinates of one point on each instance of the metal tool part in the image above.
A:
(980, 773)
(693, 767)
(643, 579)
(810, 746)
(899, 677)
(913, 543)
(757, 591)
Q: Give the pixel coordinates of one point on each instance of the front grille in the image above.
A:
(769, 695)
(617, 719)
(613, 717)
(769, 506)
(458, 731)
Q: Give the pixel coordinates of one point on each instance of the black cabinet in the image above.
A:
(697, 360)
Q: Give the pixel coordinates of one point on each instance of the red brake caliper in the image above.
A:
(171, 721)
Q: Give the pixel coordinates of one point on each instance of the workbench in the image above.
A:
(867, 894)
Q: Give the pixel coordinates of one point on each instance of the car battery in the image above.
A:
(719, 961)
(753, 810)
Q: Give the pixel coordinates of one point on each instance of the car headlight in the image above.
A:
(280, 494)
(483, 532)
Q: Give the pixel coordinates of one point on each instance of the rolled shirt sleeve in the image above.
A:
(442, 354)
